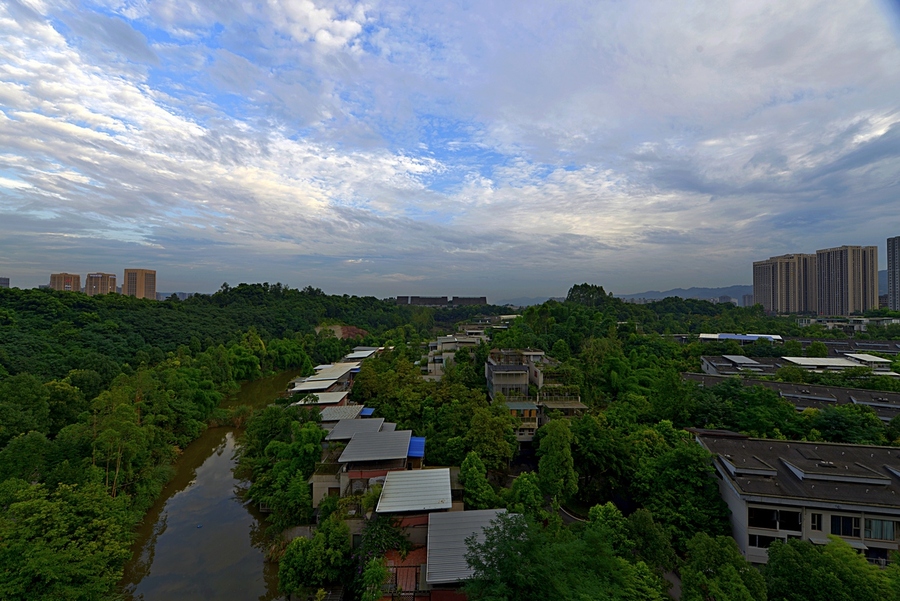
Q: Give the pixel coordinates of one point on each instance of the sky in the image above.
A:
(492, 148)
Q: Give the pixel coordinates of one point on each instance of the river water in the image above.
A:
(200, 540)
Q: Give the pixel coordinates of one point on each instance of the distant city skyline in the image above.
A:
(500, 149)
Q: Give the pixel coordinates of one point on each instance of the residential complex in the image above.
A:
(893, 273)
(786, 284)
(834, 281)
(69, 282)
(847, 279)
(100, 283)
(140, 283)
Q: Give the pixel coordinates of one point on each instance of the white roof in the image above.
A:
(364, 354)
(447, 534)
(312, 386)
(415, 490)
(324, 398)
(334, 414)
(333, 372)
(867, 358)
(822, 361)
(740, 359)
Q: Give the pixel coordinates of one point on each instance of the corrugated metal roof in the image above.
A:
(376, 446)
(334, 372)
(313, 386)
(324, 398)
(347, 428)
(333, 414)
(388, 427)
(447, 534)
(367, 412)
(416, 446)
(415, 490)
(362, 354)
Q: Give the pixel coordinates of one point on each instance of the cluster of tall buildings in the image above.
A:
(833, 281)
(140, 283)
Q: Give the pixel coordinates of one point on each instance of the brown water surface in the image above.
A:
(200, 540)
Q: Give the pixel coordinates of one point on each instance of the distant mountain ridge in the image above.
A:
(736, 292)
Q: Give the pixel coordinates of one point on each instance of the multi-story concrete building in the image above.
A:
(847, 279)
(778, 489)
(140, 283)
(100, 283)
(893, 273)
(785, 284)
(70, 282)
(4, 282)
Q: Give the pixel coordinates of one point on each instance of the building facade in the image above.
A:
(100, 283)
(847, 279)
(893, 273)
(140, 283)
(69, 282)
(4, 282)
(786, 284)
(777, 490)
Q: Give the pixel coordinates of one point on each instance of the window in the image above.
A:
(762, 518)
(761, 542)
(845, 526)
(774, 519)
(816, 521)
(790, 520)
(880, 529)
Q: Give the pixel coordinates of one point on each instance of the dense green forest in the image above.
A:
(98, 395)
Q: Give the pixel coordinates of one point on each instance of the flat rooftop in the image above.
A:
(809, 472)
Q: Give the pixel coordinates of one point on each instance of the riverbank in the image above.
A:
(200, 540)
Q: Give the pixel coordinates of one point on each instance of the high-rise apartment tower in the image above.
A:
(140, 283)
(70, 282)
(893, 269)
(785, 284)
(847, 279)
(100, 283)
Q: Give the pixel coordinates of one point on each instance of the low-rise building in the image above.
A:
(527, 415)
(741, 339)
(739, 365)
(886, 405)
(779, 489)
(441, 352)
(337, 377)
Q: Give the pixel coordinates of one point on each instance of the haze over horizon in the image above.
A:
(490, 148)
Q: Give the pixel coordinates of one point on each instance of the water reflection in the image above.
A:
(201, 540)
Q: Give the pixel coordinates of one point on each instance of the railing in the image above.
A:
(403, 584)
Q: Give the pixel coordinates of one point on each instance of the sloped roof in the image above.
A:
(324, 398)
(376, 446)
(415, 490)
(333, 414)
(347, 428)
(447, 534)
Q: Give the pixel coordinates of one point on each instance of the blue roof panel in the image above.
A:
(416, 446)
(367, 412)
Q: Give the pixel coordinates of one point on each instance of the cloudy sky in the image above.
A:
(393, 147)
